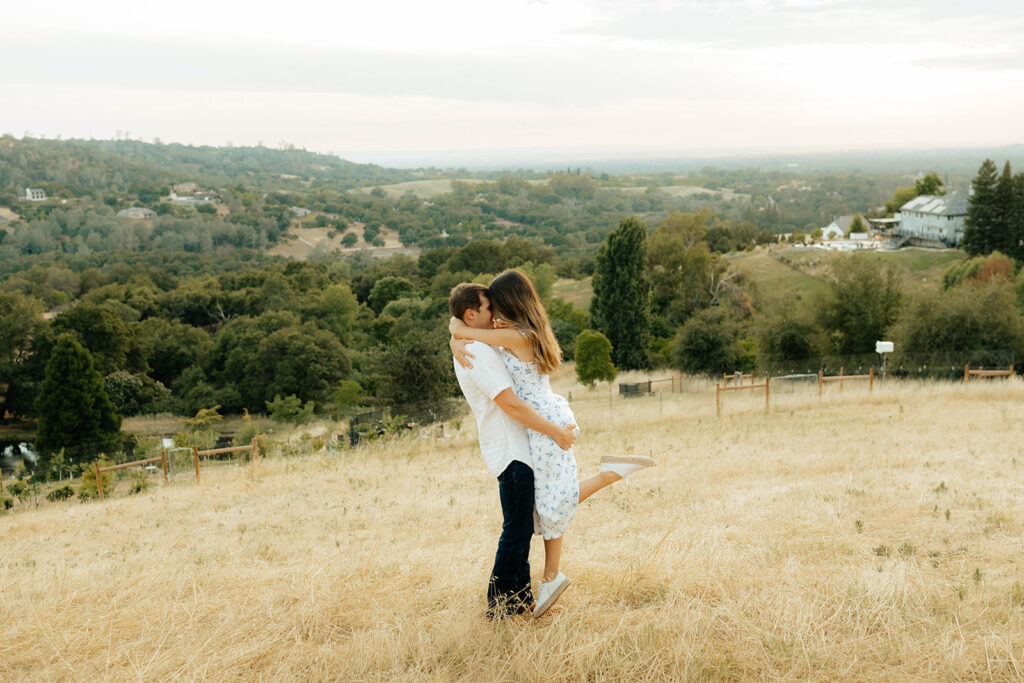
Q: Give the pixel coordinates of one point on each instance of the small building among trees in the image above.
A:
(33, 194)
(936, 221)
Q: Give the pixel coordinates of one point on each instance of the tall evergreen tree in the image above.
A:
(1017, 218)
(620, 309)
(75, 412)
(1004, 232)
(981, 211)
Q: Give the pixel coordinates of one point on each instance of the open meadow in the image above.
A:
(865, 536)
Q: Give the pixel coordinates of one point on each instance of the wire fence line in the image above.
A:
(785, 376)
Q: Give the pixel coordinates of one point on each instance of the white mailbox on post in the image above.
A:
(882, 348)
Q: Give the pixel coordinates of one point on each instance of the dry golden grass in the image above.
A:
(809, 542)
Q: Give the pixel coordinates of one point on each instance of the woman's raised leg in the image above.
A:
(595, 483)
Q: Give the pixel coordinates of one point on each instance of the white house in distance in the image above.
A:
(934, 221)
(832, 231)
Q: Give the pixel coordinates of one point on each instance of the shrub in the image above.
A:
(88, 488)
(19, 490)
(63, 493)
(594, 358)
(140, 481)
(290, 409)
(6, 503)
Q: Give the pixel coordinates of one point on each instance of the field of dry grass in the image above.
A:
(863, 537)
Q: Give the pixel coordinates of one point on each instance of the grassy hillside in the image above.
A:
(804, 269)
(860, 537)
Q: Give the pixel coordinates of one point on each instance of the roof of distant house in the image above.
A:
(952, 204)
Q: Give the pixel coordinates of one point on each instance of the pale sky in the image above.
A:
(394, 81)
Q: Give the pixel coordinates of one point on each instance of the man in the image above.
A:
(502, 419)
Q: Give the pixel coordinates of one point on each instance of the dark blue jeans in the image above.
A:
(509, 589)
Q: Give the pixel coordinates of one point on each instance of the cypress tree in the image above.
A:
(1004, 229)
(75, 412)
(1017, 218)
(981, 211)
(620, 309)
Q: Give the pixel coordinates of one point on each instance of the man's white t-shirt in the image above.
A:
(502, 439)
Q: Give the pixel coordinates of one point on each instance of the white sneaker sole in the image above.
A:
(641, 460)
(543, 607)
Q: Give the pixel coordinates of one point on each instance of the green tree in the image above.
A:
(74, 410)
(21, 319)
(680, 266)
(931, 185)
(1004, 234)
(707, 343)
(594, 358)
(347, 396)
(862, 303)
(290, 409)
(112, 342)
(899, 198)
(303, 361)
(786, 331)
(1017, 217)
(982, 212)
(414, 367)
(169, 347)
(978, 317)
(386, 290)
(620, 308)
(857, 224)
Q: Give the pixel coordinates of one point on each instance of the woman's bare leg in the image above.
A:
(553, 546)
(552, 557)
(592, 485)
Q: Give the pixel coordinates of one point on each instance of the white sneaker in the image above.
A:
(625, 465)
(549, 592)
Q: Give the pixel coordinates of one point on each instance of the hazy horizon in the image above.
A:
(527, 78)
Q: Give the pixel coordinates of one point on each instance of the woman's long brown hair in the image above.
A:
(514, 299)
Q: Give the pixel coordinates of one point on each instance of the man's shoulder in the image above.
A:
(480, 347)
(488, 366)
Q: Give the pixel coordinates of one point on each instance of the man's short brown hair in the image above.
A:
(465, 296)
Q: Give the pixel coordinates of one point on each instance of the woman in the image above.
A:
(531, 353)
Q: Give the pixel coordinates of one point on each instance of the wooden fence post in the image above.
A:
(967, 374)
(163, 461)
(767, 390)
(255, 450)
(820, 382)
(840, 378)
(99, 481)
(1, 479)
(718, 400)
(871, 379)
(195, 458)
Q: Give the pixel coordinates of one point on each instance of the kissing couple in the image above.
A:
(505, 352)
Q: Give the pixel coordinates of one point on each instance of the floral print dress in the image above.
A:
(556, 484)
